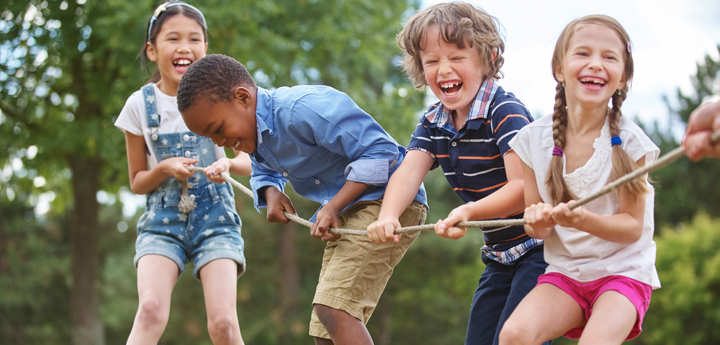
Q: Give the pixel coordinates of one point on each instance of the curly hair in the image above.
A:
(459, 23)
(214, 78)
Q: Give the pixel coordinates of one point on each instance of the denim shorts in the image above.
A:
(211, 231)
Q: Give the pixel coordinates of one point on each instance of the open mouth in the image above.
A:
(182, 64)
(236, 147)
(593, 83)
(451, 89)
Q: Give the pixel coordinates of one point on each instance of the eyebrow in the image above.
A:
(207, 129)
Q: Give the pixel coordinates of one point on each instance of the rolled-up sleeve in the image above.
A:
(263, 177)
(336, 123)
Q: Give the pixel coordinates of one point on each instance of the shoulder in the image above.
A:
(635, 142)
(505, 103)
(299, 93)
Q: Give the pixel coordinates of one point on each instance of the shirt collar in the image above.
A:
(481, 105)
(263, 112)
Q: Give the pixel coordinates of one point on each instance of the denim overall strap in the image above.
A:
(187, 202)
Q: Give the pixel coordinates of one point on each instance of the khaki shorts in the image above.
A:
(355, 270)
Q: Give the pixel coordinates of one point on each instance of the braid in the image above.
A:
(621, 161)
(558, 189)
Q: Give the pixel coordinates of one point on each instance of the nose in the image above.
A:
(595, 62)
(444, 67)
(218, 141)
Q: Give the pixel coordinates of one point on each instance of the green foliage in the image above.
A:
(684, 187)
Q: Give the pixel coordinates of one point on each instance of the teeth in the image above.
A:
(182, 62)
(237, 144)
(595, 81)
(449, 85)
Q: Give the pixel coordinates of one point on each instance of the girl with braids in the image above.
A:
(601, 256)
(188, 217)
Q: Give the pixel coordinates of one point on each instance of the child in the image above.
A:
(159, 148)
(455, 49)
(333, 153)
(703, 121)
(601, 256)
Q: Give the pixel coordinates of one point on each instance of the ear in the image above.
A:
(621, 83)
(560, 75)
(243, 96)
(150, 51)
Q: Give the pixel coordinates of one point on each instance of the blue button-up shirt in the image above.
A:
(317, 138)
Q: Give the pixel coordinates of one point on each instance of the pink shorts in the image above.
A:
(585, 294)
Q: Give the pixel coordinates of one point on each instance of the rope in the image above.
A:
(668, 158)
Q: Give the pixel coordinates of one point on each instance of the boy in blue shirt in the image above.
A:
(455, 49)
(333, 153)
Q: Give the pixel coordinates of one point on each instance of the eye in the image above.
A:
(218, 130)
(429, 62)
(459, 58)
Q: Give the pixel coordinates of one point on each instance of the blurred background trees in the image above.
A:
(67, 239)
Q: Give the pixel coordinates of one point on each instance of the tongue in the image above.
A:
(453, 89)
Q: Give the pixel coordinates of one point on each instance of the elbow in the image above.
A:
(634, 235)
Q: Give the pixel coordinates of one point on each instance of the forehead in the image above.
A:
(433, 36)
(595, 34)
(181, 22)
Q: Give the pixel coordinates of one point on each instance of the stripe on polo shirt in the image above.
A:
(477, 140)
(475, 174)
(482, 190)
(513, 115)
(423, 138)
(478, 157)
(440, 137)
(508, 133)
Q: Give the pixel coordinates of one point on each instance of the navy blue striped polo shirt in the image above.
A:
(472, 158)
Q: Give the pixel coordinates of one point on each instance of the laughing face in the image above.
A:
(179, 43)
(593, 67)
(453, 74)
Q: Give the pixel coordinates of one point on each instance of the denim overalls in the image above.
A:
(210, 231)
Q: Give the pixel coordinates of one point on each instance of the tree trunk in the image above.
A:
(290, 288)
(87, 327)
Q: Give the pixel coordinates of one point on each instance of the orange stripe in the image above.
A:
(513, 239)
(484, 189)
(442, 156)
(514, 214)
(506, 117)
(485, 158)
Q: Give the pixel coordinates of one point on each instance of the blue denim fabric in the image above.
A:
(211, 231)
(500, 290)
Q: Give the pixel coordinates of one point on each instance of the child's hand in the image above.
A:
(277, 203)
(447, 229)
(382, 230)
(213, 172)
(177, 167)
(563, 216)
(327, 217)
(539, 217)
(698, 145)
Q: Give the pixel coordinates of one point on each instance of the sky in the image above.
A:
(669, 38)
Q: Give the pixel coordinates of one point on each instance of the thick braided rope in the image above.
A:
(661, 162)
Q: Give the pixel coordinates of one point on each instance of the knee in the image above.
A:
(326, 315)
(221, 327)
(151, 313)
(512, 334)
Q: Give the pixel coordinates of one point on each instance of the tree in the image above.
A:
(685, 188)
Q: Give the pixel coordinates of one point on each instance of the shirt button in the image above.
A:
(318, 182)
(186, 137)
(453, 144)
(284, 174)
(187, 153)
(325, 202)
(154, 137)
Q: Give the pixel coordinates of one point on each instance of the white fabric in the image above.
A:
(133, 120)
(576, 253)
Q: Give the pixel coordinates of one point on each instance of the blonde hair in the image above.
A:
(621, 161)
(459, 23)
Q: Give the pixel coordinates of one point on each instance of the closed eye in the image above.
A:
(218, 130)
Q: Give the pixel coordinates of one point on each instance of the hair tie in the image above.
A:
(162, 8)
(557, 151)
(615, 140)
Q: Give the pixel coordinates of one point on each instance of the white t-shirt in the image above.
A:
(133, 119)
(578, 254)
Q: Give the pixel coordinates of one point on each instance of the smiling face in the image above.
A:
(229, 124)
(593, 66)
(179, 43)
(453, 74)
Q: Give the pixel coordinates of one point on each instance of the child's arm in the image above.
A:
(505, 201)
(624, 227)
(328, 216)
(400, 192)
(143, 181)
(240, 165)
(539, 222)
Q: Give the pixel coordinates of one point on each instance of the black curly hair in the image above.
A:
(214, 78)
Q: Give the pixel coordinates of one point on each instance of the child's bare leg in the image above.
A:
(344, 329)
(613, 317)
(156, 277)
(219, 279)
(545, 313)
